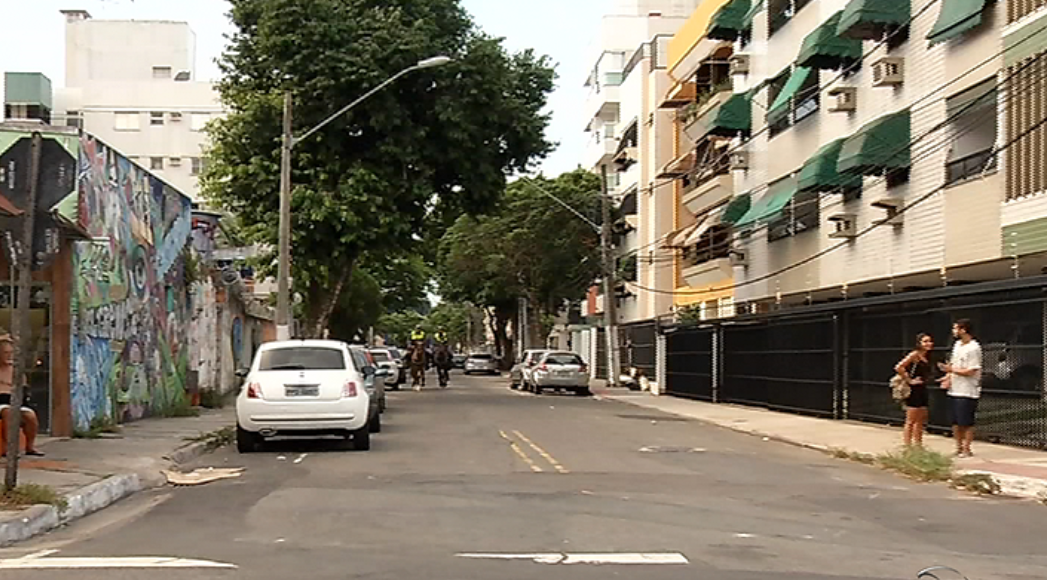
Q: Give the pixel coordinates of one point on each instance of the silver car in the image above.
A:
(521, 371)
(481, 363)
(565, 371)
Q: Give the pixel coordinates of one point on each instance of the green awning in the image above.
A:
(819, 173)
(729, 20)
(823, 49)
(774, 201)
(872, 19)
(728, 119)
(780, 107)
(747, 20)
(879, 145)
(955, 18)
(736, 208)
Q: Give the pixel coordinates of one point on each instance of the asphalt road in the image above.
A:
(478, 469)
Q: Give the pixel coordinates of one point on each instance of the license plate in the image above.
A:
(302, 390)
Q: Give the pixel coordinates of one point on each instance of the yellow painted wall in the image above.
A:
(686, 296)
(692, 31)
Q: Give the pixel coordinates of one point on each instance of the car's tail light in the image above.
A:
(583, 369)
(254, 391)
(544, 368)
(349, 390)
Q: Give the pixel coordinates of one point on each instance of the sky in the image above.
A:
(562, 29)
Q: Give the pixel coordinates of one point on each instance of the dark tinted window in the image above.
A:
(395, 352)
(379, 356)
(481, 356)
(302, 358)
(563, 359)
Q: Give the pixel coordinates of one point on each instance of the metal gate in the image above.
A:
(601, 354)
(638, 347)
(784, 364)
(690, 367)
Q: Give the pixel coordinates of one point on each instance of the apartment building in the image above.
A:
(833, 149)
(133, 84)
(629, 136)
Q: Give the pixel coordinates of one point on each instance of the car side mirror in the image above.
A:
(369, 371)
(242, 373)
(382, 373)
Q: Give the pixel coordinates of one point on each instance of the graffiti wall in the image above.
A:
(130, 306)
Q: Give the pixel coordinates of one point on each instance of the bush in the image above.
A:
(30, 494)
(979, 483)
(918, 463)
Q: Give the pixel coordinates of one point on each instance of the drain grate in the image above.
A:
(659, 418)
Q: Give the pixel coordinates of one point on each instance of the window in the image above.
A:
(127, 121)
(161, 72)
(774, 87)
(779, 12)
(800, 215)
(73, 119)
(973, 120)
(803, 101)
(806, 101)
(301, 359)
(715, 244)
(156, 118)
(174, 162)
(198, 121)
(199, 165)
(156, 163)
(563, 358)
(380, 356)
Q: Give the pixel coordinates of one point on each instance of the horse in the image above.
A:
(417, 360)
(442, 358)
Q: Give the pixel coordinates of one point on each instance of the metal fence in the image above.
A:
(638, 347)
(836, 360)
(601, 354)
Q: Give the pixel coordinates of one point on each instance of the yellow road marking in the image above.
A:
(556, 464)
(516, 448)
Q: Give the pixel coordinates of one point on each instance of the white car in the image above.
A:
(384, 359)
(302, 388)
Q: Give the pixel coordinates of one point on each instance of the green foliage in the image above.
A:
(216, 439)
(532, 247)
(452, 318)
(627, 268)
(979, 483)
(101, 424)
(397, 326)
(393, 170)
(30, 494)
(918, 463)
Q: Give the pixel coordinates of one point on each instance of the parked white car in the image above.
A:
(565, 371)
(303, 388)
(521, 371)
(384, 359)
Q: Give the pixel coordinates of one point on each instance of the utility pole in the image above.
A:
(283, 288)
(610, 301)
(20, 324)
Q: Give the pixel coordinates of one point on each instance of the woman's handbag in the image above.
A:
(900, 388)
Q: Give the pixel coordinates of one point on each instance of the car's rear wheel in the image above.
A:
(362, 438)
(376, 423)
(247, 442)
(583, 392)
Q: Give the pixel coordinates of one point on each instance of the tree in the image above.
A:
(381, 284)
(394, 170)
(454, 318)
(396, 327)
(532, 247)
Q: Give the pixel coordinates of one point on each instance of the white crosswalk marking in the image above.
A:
(610, 558)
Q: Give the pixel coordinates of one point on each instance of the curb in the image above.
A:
(1014, 486)
(40, 519)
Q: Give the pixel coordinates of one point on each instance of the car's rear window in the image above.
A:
(302, 358)
(481, 356)
(563, 359)
(379, 356)
(395, 352)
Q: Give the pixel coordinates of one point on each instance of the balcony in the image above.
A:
(599, 153)
(708, 273)
(710, 193)
(679, 167)
(698, 123)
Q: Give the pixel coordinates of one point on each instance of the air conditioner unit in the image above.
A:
(175, 161)
(892, 207)
(739, 257)
(739, 160)
(846, 226)
(889, 71)
(846, 100)
(175, 117)
(739, 64)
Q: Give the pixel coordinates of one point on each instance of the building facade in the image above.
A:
(133, 84)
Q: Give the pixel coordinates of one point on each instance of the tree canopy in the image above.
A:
(389, 173)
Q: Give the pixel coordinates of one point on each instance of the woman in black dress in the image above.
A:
(918, 370)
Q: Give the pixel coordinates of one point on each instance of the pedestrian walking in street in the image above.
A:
(917, 370)
(30, 424)
(964, 383)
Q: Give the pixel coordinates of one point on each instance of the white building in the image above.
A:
(133, 84)
(628, 134)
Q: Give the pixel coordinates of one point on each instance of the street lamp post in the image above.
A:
(289, 141)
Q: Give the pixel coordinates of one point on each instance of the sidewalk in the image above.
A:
(1020, 472)
(94, 473)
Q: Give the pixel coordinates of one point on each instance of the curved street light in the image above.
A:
(283, 307)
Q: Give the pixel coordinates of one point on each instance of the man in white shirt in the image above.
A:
(964, 384)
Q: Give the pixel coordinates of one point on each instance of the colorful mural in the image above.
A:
(130, 305)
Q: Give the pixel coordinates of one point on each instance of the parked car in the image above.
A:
(458, 361)
(374, 384)
(401, 369)
(303, 388)
(520, 372)
(383, 359)
(564, 371)
(481, 363)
